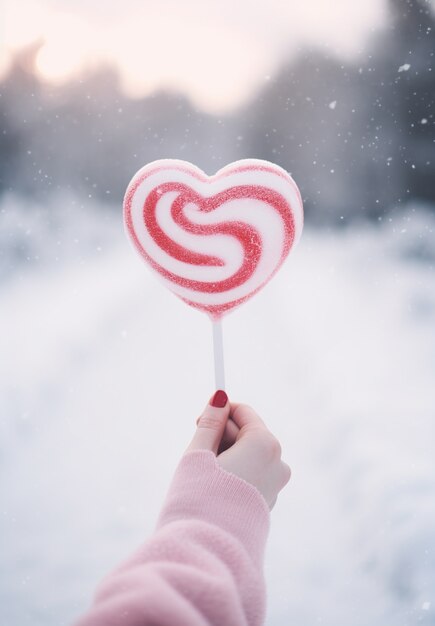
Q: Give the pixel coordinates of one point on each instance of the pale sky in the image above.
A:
(217, 52)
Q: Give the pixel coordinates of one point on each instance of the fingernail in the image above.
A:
(219, 399)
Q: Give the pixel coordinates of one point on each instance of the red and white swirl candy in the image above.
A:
(214, 240)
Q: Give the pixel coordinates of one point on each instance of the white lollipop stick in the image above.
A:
(218, 348)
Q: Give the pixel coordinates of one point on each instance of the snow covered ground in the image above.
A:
(103, 372)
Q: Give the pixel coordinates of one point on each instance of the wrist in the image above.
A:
(202, 490)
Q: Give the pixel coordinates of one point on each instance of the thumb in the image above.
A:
(211, 424)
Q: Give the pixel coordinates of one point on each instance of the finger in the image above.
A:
(231, 428)
(229, 437)
(231, 431)
(285, 472)
(211, 424)
(244, 416)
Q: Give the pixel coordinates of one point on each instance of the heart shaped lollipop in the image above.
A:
(214, 240)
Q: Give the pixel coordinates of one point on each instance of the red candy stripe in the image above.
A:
(248, 237)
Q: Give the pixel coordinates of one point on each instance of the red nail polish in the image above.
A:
(219, 399)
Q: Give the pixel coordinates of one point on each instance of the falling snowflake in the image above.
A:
(404, 68)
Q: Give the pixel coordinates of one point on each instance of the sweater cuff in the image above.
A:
(202, 490)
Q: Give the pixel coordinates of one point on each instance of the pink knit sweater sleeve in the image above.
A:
(204, 563)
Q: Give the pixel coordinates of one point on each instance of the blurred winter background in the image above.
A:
(102, 372)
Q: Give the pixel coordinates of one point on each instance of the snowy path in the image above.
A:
(103, 373)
